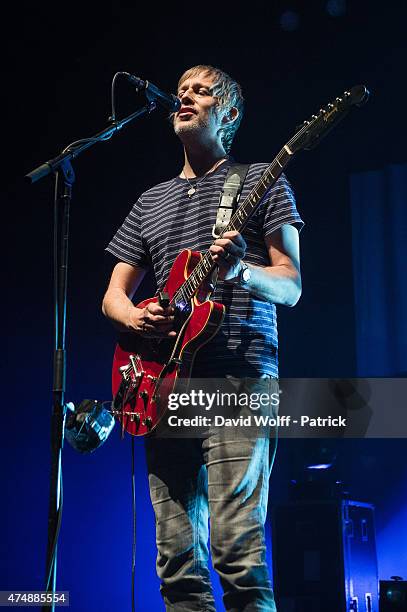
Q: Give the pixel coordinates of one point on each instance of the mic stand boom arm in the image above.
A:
(53, 165)
(62, 163)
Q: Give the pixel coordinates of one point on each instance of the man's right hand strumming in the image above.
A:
(153, 321)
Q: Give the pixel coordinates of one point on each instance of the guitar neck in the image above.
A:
(308, 136)
(237, 223)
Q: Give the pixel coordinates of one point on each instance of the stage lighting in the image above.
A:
(321, 457)
(316, 475)
(320, 466)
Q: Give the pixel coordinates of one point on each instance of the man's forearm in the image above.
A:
(119, 309)
(275, 284)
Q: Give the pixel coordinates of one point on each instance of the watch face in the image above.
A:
(246, 274)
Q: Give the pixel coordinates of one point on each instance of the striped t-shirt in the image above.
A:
(165, 220)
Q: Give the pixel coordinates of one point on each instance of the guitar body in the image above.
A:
(146, 371)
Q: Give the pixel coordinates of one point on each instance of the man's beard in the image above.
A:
(197, 129)
(189, 129)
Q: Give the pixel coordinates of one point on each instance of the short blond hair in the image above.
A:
(228, 92)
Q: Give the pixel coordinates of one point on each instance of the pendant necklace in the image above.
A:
(192, 190)
(193, 187)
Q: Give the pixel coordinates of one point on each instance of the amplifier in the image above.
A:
(324, 556)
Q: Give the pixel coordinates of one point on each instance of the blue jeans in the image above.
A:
(223, 477)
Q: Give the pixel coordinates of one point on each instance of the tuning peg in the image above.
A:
(322, 111)
(339, 99)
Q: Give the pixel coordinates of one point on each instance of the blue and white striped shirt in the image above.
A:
(165, 220)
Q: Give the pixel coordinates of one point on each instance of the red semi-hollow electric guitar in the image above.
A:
(145, 371)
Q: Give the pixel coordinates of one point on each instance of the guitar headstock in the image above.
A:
(310, 134)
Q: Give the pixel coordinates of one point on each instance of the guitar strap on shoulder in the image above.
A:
(229, 197)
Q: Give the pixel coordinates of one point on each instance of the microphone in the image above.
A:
(168, 101)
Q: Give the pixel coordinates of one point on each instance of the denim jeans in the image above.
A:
(222, 477)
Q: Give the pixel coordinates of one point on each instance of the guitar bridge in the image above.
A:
(131, 374)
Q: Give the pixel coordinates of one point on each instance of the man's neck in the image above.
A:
(201, 160)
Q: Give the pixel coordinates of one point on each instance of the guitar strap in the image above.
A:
(229, 197)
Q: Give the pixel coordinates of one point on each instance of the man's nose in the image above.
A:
(187, 95)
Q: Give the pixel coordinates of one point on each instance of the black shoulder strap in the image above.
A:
(229, 196)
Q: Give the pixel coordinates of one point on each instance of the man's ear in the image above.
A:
(231, 115)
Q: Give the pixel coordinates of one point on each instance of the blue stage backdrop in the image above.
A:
(379, 247)
(379, 230)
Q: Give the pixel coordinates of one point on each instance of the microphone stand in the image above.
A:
(61, 165)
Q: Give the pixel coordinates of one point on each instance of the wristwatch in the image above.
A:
(245, 274)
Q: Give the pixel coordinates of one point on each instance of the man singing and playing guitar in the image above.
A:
(219, 476)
